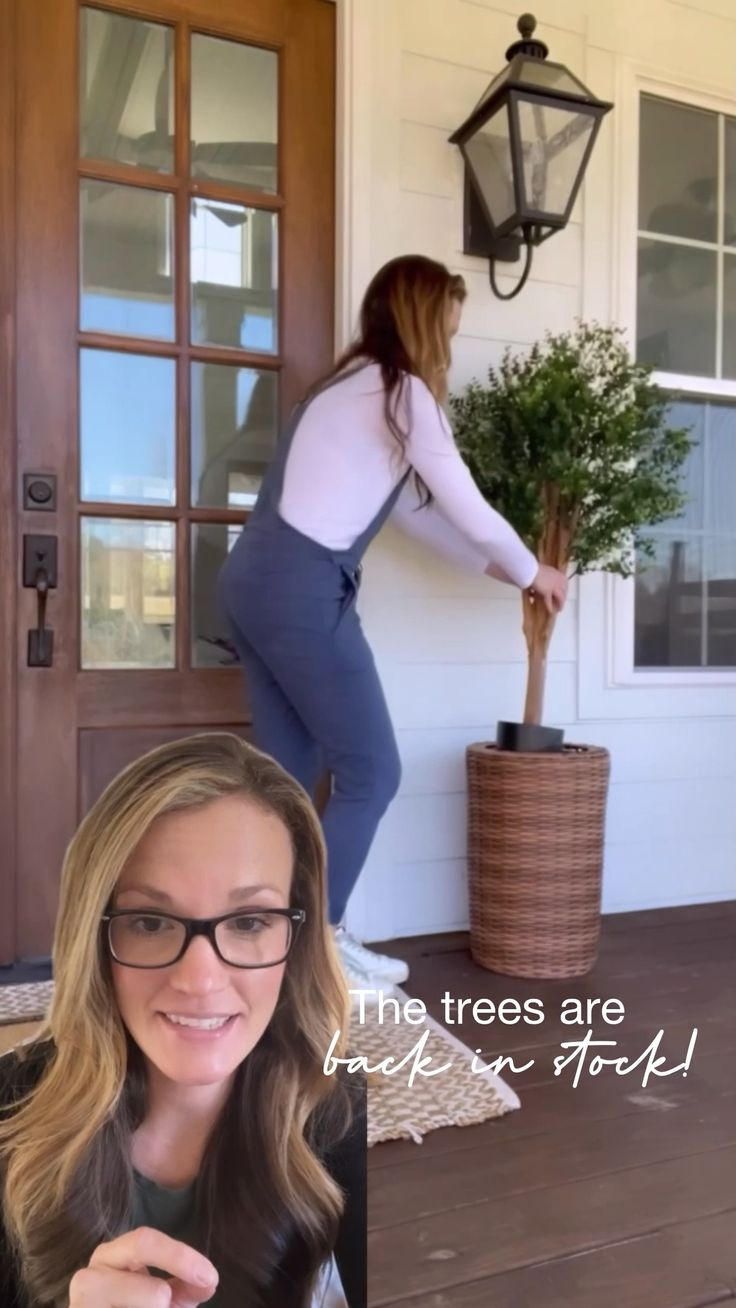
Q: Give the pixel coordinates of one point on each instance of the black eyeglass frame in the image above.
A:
(205, 926)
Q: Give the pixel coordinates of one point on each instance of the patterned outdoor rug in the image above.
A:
(456, 1096)
(25, 1003)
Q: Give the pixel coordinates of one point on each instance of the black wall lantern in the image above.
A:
(526, 146)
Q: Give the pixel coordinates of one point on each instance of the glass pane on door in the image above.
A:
(234, 270)
(212, 642)
(127, 260)
(128, 593)
(127, 427)
(126, 90)
(234, 113)
(234, 416)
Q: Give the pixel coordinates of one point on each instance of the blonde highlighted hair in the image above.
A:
(68, 1178)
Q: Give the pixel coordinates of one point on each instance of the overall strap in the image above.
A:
(361, 543)
(273, 481)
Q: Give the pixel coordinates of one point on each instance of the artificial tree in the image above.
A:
(571, 443)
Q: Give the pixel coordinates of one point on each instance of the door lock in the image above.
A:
(39, 492)
(40, 574)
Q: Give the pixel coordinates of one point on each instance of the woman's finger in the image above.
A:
(181, 1295)
(145, 1247)
(103, 1287)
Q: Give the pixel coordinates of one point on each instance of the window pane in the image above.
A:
(128, 594)
(127, 90)
(676, 309)
(212, 644)
(729, 316)
(721, 484)
(692, 416)
(127, 260)
(669, 627)
(127, 428)
(234, 113)
(730, 218)
(721, 575)
(234, 416)
(234, 269)
(678, 170)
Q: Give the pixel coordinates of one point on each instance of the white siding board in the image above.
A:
(448, 643)
(473, 36)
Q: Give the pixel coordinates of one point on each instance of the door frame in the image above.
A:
(19, 322)
(8, 562)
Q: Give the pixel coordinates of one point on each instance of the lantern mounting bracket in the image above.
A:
(503, 245)
(479, 240)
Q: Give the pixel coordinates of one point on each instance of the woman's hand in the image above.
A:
(551, 586)
(116, 1275)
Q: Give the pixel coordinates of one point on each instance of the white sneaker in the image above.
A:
(356, 980)
(376, 969)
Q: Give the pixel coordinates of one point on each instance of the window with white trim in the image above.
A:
(685, 599)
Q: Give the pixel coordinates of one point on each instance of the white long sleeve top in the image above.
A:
(344, 463)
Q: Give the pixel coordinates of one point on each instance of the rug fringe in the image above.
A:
(414, 1133)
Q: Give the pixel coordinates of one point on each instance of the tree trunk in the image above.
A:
(536, 679)
(539, 624)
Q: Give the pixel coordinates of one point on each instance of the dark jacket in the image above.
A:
(21, 1069)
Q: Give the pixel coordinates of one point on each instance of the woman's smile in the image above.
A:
(199, 1029)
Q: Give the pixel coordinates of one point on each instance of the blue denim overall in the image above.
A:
(315, 696)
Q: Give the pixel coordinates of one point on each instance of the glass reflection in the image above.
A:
(721, 600)
(212, 643)
(678, 170)
(490, 154)
(676, 309)
(729, 316)
(126, 260)
(127, 428)
(669, 631)
(234, 415)
(554, 142)
(721, 480)
(234, 271)
(234, 113)
(128, 593)
(126, 90)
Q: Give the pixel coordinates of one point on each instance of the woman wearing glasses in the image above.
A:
(170, 1138)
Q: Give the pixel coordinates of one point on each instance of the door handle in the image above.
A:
(39, 574)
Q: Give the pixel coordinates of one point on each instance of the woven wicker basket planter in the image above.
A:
(535, 853)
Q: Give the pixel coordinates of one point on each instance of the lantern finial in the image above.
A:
(528, 45)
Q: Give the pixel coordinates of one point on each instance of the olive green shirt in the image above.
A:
(170, 1211)
(173, 1213)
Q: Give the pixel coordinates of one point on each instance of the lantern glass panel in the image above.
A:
(554, 142)
(548, 77)
(488, 153)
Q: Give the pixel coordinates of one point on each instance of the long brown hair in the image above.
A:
(404, 329)
(262, 1195)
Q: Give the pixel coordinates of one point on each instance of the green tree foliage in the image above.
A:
(572, 444)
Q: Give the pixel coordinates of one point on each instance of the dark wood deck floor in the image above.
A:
(605, 1196)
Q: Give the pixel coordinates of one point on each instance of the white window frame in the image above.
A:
(609, 683)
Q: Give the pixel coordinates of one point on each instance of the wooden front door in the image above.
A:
(166, 293)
